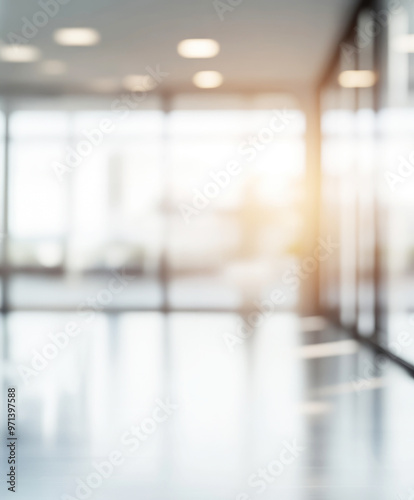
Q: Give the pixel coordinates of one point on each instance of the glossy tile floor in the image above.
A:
(187, 409)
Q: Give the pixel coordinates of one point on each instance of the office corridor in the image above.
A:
(206, 250)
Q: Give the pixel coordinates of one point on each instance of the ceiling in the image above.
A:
(265, 44)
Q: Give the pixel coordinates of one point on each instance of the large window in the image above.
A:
(152, 193)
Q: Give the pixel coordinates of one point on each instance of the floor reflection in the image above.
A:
(293, 410)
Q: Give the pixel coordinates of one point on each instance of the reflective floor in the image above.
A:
(190, 406)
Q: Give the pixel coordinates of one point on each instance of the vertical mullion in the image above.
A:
(5, 223)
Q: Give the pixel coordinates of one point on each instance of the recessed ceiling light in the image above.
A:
(208, 79)
(357, 78)
(76, 37)
(139, 83)
(198, 48)
(19, 53)
(104, 85)
(53, 67)
(403, 43)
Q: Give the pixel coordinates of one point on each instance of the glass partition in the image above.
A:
(368, 178)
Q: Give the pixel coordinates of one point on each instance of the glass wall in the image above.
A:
(199, 200)
(244, 234)
(396, 131)
(84, 199)
(368, 177)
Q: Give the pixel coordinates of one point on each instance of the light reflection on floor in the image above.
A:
(236, 409)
